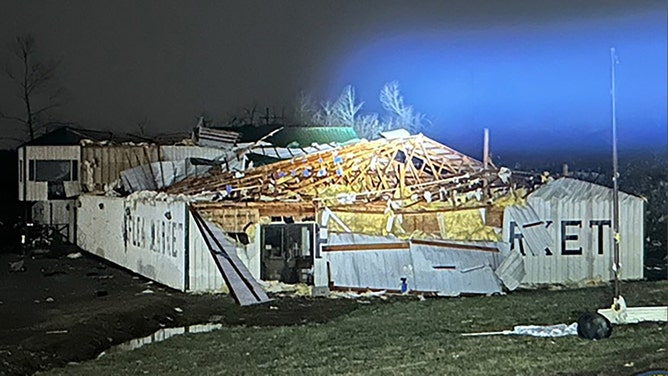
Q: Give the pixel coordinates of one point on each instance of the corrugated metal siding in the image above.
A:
(180, 152)
(203, 273)
(102, 164)
(37, 190)
(427, 266)
(571, 200)
(472, 273)
(22, 173)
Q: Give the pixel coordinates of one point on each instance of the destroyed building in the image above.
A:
(403, 212)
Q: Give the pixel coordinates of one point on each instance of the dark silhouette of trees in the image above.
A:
(33, 81)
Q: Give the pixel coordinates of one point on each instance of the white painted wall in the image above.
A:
(136, 235)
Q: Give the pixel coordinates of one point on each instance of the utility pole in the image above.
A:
(615, 177)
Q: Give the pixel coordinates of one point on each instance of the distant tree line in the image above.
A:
(346, 111)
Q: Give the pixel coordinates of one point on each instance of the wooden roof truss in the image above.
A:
(371, 169)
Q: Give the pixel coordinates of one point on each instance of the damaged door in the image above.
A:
(287, 252)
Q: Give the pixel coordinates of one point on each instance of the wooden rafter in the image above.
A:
(350, 165)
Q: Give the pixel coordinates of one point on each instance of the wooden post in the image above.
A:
(485, 165)
(485, 156)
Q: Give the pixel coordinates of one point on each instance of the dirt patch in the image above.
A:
(62, 310)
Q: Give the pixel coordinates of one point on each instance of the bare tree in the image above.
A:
(306, 109)
(345, 111)
(399, 114)
(346, 108)
(368, 126)
(141, 125)
(33, 80)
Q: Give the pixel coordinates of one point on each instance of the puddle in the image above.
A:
(160, 336)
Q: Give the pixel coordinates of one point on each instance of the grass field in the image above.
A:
(412, 337)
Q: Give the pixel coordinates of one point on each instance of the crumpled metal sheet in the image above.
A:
(443, 268)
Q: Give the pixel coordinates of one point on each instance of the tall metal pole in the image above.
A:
(615, 178)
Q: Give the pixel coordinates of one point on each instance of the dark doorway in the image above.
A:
(287, 252)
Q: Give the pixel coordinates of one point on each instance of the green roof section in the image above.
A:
(306, 136)
(294, 135)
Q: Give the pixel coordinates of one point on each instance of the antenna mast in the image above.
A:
(615, 177)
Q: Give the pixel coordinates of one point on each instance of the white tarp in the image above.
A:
(559, 330)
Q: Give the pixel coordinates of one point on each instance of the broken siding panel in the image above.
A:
(372, 269)
(450, 271)
(102, 164)
(447, 268)
(243, 286)
(180, 152)
(203, 272)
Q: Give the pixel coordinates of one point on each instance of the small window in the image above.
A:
(31, 170)
(75, 170)
(21, 170)
(52, 170)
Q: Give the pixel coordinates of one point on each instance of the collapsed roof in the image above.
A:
(399, 166)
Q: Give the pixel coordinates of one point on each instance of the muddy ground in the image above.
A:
(62, 310)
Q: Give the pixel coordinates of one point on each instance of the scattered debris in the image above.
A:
(17, 266)
(619, 313)
(177, 309)
(283, 289)
(49, 273)
(273, 307)
(147, 291)
(74, 255)
(49, 300)
(63, 331)
(559, 330)
(594, 326)
(354, 295)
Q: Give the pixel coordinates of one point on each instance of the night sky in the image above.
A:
(536, 73)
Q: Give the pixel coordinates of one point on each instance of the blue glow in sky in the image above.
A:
(536, 86)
